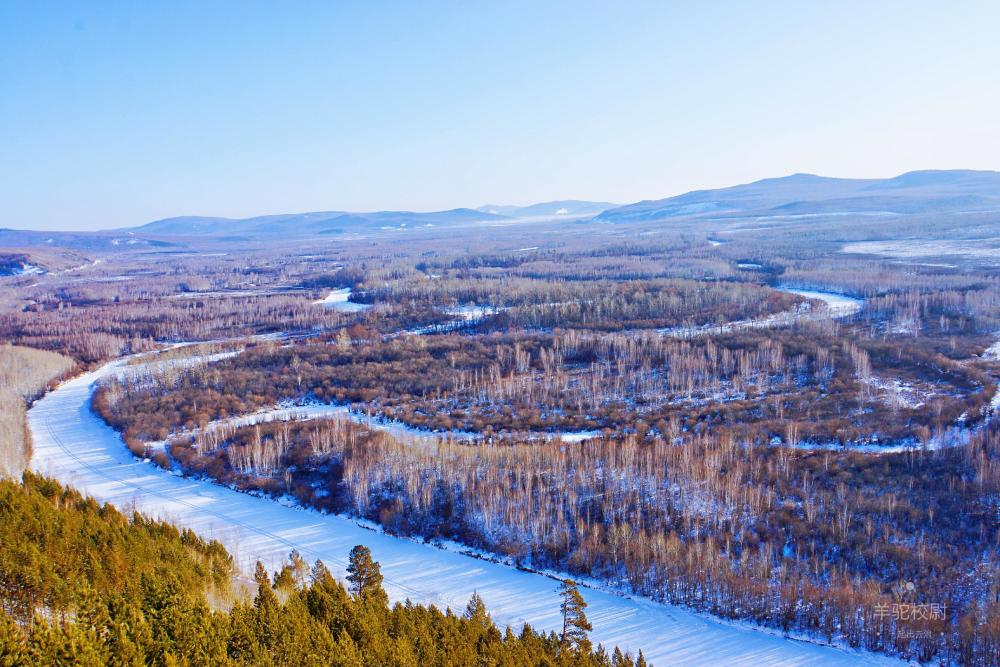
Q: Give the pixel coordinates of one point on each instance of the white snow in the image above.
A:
(306, 412)
(984, 248)
(338, 299)
(29, 269)
(992, 353)
(395, 428)
(463, 315)
(953, 436)
(74, 446)
(472, 312)
(840, 305)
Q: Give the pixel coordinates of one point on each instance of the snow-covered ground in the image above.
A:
(398, 429)
(76, 447)
(28, 269)
(235, 293)
(338, 299)
(992, 353)
(463, 316)
(953, 436)
(146, 372)
(838, 306)
(984, 248)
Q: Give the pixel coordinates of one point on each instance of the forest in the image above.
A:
(83, 584)
(677, 419)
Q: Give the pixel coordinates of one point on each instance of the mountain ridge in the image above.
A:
(309, 223)
(555, 208)
(936, 190)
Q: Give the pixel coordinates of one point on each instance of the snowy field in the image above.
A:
(74, 446)
(840, 305)
(338, 299)
(986, 248)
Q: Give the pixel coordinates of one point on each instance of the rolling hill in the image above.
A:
(310, 224)
(565, 207)
(937, 191)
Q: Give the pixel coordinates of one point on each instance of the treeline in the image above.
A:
(593, 304)
(824, 384)
(82, 584)
(94, 332)
(126, 305)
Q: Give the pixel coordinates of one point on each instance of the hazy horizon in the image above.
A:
(118, 115)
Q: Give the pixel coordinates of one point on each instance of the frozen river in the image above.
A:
(76, 447)
(339, 299)
(840, 305)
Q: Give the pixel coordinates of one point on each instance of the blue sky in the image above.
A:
(114, 114)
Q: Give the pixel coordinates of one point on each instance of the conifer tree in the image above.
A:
(160, 617)
(346, 653)
(11, 642)
(476, 612)
(575, 623)
(365, 576)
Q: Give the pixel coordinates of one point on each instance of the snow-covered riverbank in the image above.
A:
(76, 447)
(837, 306)
(398, 429)
(339, 299)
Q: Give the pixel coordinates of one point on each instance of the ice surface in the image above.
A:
(338, 299)
(840, 305)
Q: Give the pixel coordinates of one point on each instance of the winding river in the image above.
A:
(76, 447)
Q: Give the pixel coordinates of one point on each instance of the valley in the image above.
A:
(740, 447)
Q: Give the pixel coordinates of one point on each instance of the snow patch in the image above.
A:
(339, 299)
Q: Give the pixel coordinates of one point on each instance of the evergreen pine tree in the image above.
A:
(476, 612)
(267, 610)
(346, 653)
(575, 623)
(11, 642)
(365, 576)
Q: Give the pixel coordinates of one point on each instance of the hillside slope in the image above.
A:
(308, 224)
(806, 194)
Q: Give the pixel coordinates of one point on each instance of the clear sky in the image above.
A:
(113, 114)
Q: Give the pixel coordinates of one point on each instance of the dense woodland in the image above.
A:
(86, 585)
(803, 539)
(753, 472)
(807, 383)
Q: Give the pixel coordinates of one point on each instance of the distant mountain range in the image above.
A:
(948, 191)
(550, 209)
(343, 222)
(311, 224)
(944, 192)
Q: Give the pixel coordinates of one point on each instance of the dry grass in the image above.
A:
(24, 373)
